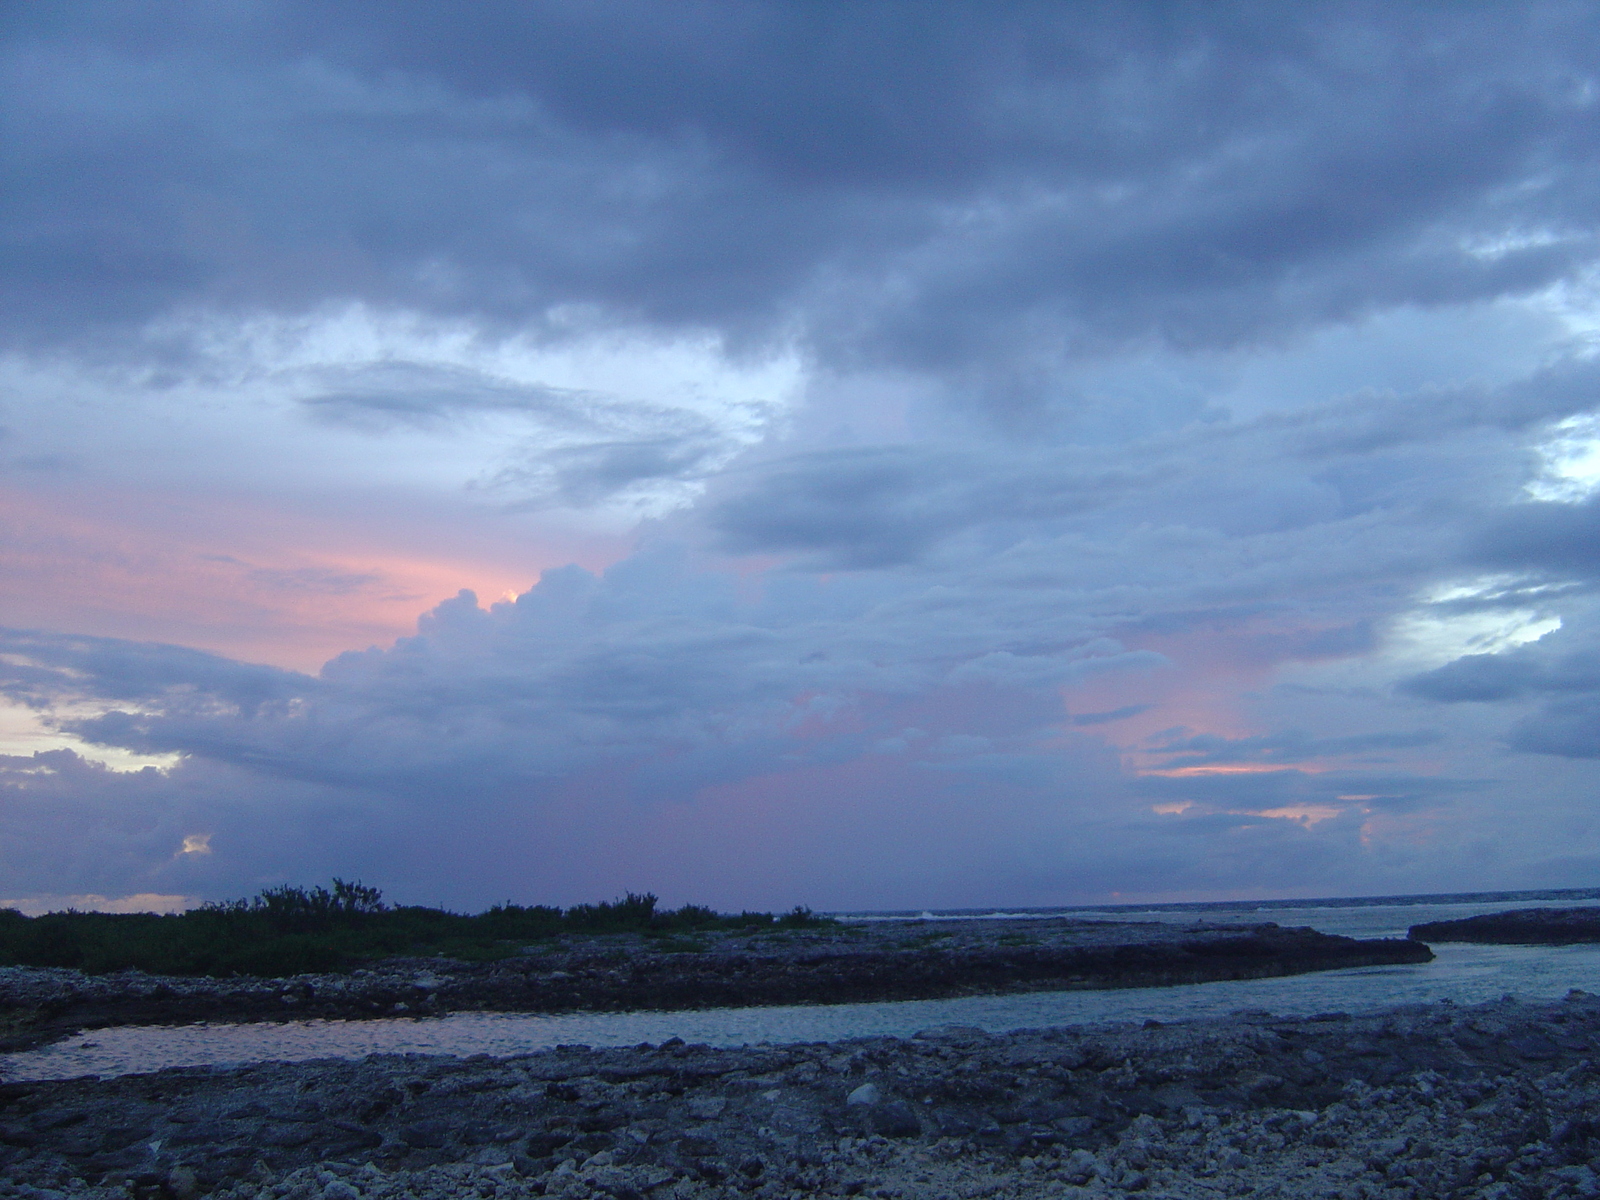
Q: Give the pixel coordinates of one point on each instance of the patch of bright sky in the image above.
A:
(23, 733)
(1492, 249)
(1465, 616)
(232, 413)
(37, 906)
(1570, 467)
(1575, 303)
(1449, 623)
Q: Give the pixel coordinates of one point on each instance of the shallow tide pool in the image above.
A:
(1463, 974)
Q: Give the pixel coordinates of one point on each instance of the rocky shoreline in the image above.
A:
(1491, 1102)
(1519, 927)
(899, 960)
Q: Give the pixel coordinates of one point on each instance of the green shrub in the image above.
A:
(293, 930)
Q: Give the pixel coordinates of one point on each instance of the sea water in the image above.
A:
(1461, 973)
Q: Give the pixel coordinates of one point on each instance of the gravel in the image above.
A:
(1494, 1101)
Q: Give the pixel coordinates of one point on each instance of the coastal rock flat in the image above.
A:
(1519, 927)
(890, 960)
(1493, 1102)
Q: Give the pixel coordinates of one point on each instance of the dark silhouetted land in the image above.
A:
(617, 957)
(1519, 927)
(295, 931)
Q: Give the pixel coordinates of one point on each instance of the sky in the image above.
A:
(885, 455)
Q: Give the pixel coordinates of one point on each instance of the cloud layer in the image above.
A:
(852, 456)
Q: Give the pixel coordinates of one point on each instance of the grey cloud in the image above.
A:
(586, 475)
(1567, 728)
(1026, 770)
(1394, 791)
(1367, 423)
(40, 669)
(1287, 747)
(652, 658)
(877, 506)
(1248, 793)
(1565, 687)
(1110, 715)
(975, 203)
(1505, 676)
(498, 738)
(958, 194)
(1332, 465)
(1004, 668)
(976, 568)
(1042, 829)
(69, 825)
(381, 396)
(867, 507)
(1553, 539)
(578, 448)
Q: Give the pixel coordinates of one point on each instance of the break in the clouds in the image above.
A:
(769, 453)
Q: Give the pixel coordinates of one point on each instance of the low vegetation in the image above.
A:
(289, 930)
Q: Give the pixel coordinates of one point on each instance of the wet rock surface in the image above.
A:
(1519, 927)
(1493, 1102)
(891, 960)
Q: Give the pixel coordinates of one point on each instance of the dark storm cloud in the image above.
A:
(1567, 728)
(40, 668)
(69, 825)
(1507, 676)
(1565, 687)
(964, 188)
(1561, 540)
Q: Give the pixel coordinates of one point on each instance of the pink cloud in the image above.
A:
(253, 579)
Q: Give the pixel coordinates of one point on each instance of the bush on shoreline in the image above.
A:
(291, 930)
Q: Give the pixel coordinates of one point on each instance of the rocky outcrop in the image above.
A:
(1494, 1102)
(1520, 927)
(910, 960)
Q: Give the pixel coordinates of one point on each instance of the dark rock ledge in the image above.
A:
(1519, 927)
(1492, 1102)
(901, 960)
